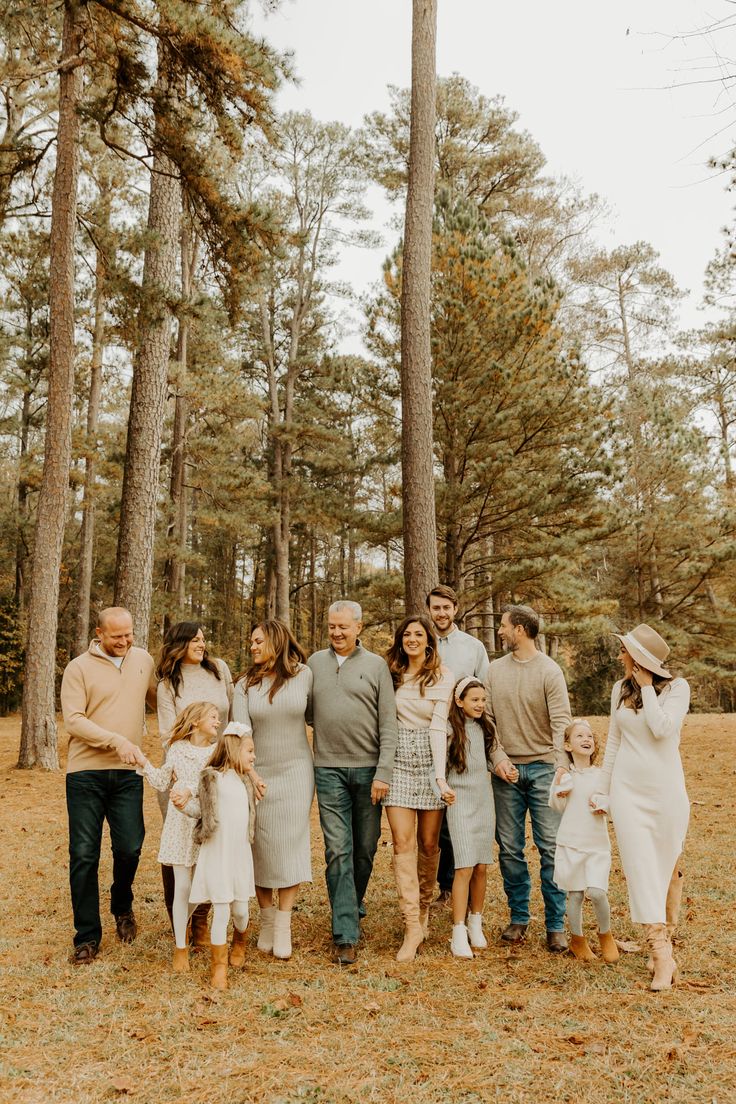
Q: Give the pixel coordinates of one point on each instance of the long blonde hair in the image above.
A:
(189, 720)
(226, 755)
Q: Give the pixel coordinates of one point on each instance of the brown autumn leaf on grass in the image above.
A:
(521, 1027)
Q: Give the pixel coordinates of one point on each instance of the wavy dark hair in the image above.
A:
(398, 661)
(630, 693)
(174, 649)
(285, 659)
(457, 741)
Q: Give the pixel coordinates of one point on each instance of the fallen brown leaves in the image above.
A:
(518, 1026)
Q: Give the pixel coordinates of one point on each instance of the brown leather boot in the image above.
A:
(167, 881)
(237, 947)
(609, 950)
(580, 947)
(218, 969)
(665, 967)
(180, 961)
(407, 885)
(200, 937)
(427, 874)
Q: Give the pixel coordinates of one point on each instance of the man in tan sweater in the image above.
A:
(527, 699)
(103, 699)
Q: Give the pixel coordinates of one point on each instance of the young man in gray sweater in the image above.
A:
(527, 699)
(353, 713)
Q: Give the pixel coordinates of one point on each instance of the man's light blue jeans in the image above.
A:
(513, 800)
(351, 827)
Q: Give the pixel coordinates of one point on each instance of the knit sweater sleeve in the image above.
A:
(388, 731)
(240, 712)
(165, 710)
(227, 679)
(664, 714)
(558, 707)
(440, 695)
(613, 743)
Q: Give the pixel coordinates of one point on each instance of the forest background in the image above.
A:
(234, 452)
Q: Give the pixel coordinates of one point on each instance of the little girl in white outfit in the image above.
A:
(225, 808)
(191, 744)
(583, 851)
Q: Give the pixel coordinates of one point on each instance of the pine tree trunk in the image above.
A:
(86, 549)
(175, 567)
(135, 556)
(417, 456)
(21, 545)
(38, 740)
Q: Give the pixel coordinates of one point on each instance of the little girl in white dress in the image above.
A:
(225, 810)
(191, 744)
(583, 850)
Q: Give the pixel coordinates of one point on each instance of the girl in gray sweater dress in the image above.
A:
(471, 820)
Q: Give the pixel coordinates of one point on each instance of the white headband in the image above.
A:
(235, 728)
(462, 685)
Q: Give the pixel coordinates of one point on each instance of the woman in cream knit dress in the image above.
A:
(423, 687)
(645, 788)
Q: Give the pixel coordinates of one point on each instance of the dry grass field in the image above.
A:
(511, 1026)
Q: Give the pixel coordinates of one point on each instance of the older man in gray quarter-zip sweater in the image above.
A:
(353, 713)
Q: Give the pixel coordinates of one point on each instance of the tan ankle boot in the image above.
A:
(665, 967)
(580, 947)
(609, 950)
(407, 885)
(427, 873)
(180, 961)
(200, 937)
(672, 908)
(218, 969)
(237, 947)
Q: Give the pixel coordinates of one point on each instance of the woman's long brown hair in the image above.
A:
(398, 661)
(287, 656)
(457, 743)
(173, 651)
(630, 693)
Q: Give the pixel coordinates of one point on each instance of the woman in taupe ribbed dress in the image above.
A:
(272, 698)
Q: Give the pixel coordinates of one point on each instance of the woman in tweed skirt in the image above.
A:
(272, 699)
(423, 687)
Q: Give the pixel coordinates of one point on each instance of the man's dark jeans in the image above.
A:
(92, 797)
(351, 826)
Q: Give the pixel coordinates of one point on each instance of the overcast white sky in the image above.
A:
(590, 80)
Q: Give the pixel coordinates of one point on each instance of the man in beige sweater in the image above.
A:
(103, 699)
(527, 699)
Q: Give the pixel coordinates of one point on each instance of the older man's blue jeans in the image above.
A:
(351, 827)
(513, 800)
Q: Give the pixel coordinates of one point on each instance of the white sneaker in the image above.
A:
(475, 931)
(265, 935)
(459, 943)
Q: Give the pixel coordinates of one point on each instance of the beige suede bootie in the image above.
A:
(407, 886)
(609, 950)
(180, 961)
(672, 908)
(218, 969)
(665, 967)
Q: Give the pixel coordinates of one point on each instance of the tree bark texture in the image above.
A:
(420, 527)
(38, 741)
(135, 555)
(86, 550)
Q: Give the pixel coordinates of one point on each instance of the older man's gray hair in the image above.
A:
(344, 604)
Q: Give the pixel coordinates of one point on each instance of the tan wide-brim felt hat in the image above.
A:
(647, 647)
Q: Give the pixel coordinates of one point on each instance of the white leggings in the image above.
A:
(221, 916)
(181, 911)
(599, 900)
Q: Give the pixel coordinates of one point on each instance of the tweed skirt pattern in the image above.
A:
(410, 786)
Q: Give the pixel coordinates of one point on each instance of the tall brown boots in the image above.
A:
(407, 885)
(427, 873)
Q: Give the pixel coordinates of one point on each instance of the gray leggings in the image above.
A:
(602, 909)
